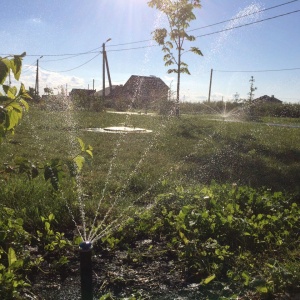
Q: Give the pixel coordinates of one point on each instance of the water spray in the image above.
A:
(86, 274)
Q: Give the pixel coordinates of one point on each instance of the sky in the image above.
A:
(69, 34)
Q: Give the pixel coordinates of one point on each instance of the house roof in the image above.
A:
(267, 99)
(136, 81)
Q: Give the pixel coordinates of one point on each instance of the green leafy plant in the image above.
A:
(15, 257)
(13, 101)
(179, 14)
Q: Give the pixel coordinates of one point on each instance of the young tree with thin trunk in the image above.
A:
(179, 14)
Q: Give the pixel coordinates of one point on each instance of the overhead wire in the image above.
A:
(143, 47)
(142, 41)
(247, 24)
(72, 68)
(243, 16)
(257, 71)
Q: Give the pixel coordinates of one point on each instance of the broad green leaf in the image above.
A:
(15, 106)
(10, 91)
(25, 104)
(169, 62)
(262, 289)
(23, 93)
(4, 69)
(47, 226)
(14, 114)
(79, 161)
(11, 256)
(183, 237)
(51, 217)
(246, 278)
(16, 66)
(82, 145)
(209, 279)
(196, 51)
(89, 152)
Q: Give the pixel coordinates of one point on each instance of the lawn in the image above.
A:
(217, 200)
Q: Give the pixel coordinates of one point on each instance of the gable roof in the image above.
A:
(144, 82)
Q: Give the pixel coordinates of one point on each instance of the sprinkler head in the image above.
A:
(85, 246)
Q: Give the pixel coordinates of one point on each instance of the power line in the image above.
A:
(211, 25)
(125, 49)
(142, 47)
(148, 40)
(74, 67)
(246, 15)
(257, 71)
(247, 24)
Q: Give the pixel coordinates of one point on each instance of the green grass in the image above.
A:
(172, 167)
(186, 150)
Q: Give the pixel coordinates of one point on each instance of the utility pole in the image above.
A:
(211, 74)
(103, 67)
(37, 78)
(108, 73)
(93, 84)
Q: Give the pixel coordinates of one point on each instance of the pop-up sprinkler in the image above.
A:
(86, 273)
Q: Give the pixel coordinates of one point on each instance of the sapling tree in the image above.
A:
(252, 89)
(179, 14)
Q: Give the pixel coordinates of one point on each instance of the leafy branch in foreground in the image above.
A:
(12, 101)
(54, 170)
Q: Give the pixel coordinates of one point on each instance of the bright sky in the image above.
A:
(55, 28)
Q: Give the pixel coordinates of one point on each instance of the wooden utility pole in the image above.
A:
(108, 73)
(211, 74)
(103, 71)
(104, 63)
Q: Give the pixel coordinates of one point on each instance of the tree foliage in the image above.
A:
(179, 14)
(12, 100)
(12, 104)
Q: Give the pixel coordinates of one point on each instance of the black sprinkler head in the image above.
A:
(85, 246)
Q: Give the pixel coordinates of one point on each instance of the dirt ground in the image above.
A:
(147, 271)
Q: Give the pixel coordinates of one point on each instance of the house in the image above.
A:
(267, 99)
(145, 89)
(138, 92)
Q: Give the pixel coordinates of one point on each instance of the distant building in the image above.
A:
(267, 99)
(146, 88)
(139, 91)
